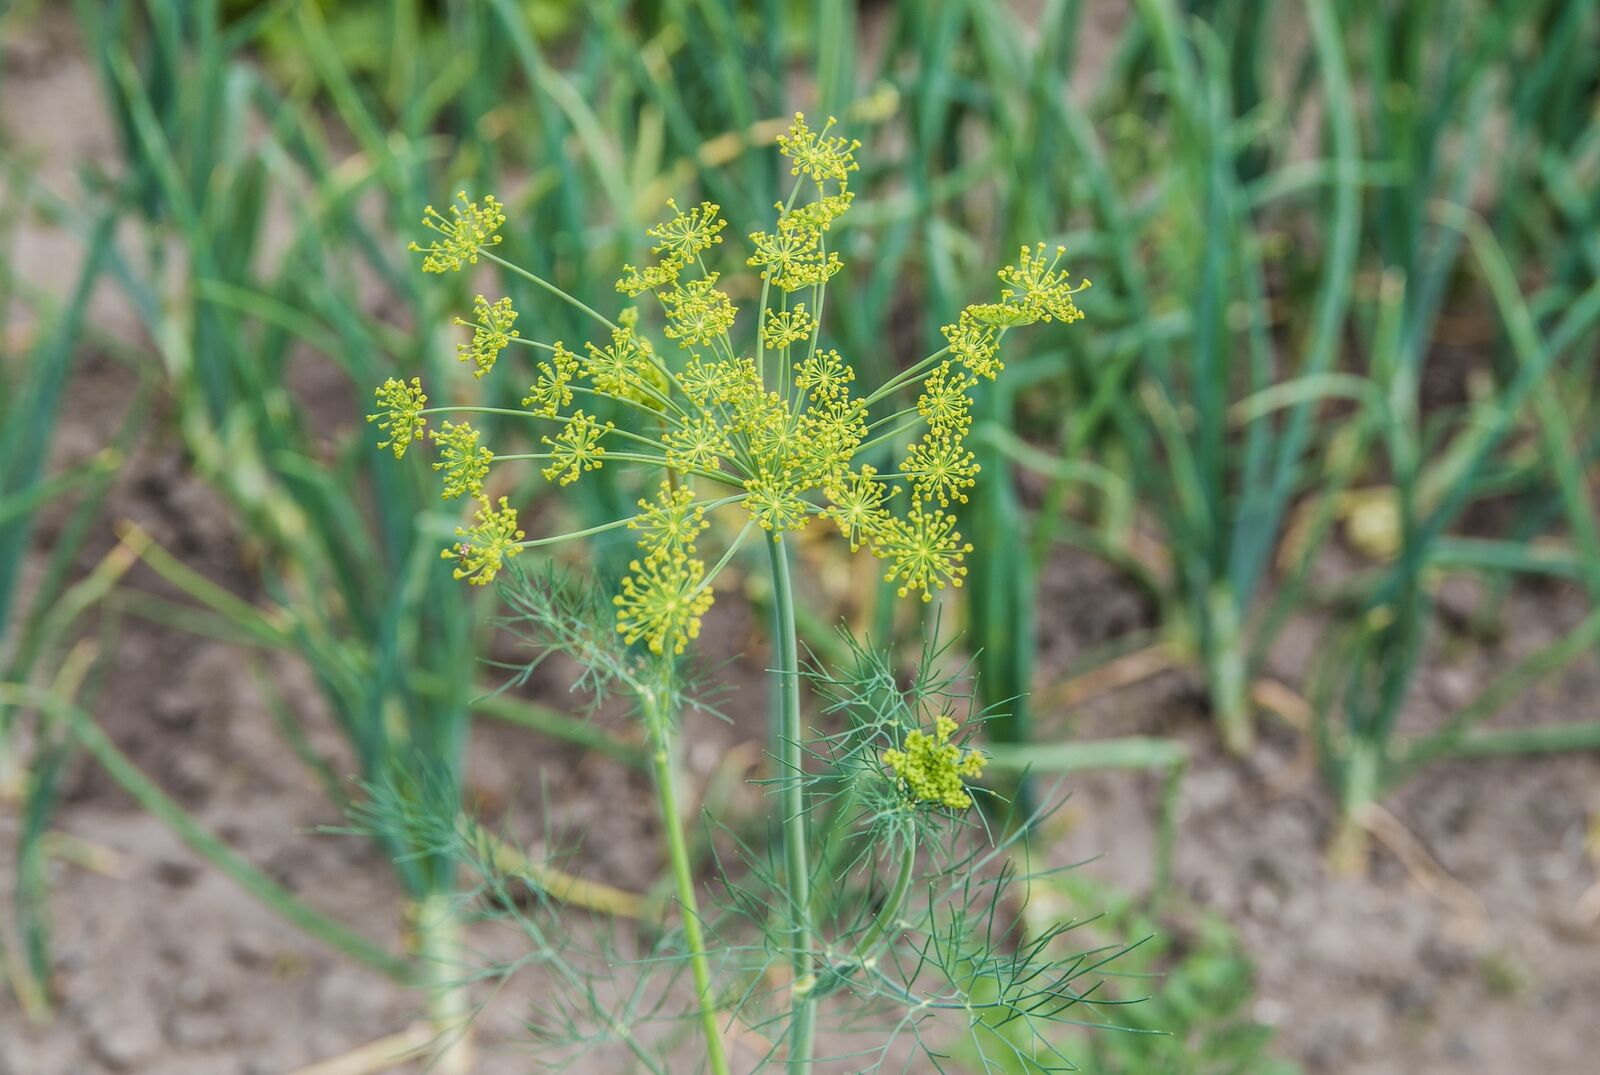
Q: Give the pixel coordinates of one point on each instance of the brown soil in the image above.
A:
(166, 968)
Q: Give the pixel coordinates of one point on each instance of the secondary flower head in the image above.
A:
(487, 545)
(627, 369)
(400, 406)
(1045, 293)
(944, 403)
(464, 462)
(696, 445)
(662, 602)
(697, 313)
(793, 258)
(785, 327)
(975, 343)
(858, 506)
(552, 389)
(491, 333)
(576, 449)
(687, 234)
(815, 154)
(775, 505)
(462, 235)
(824, 375)
(669, 524)
(934, 770)
(925, 551)
(940, 468)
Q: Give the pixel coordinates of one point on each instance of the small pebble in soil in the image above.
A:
(122, 1030)
(1268, 1011)
(198, 1030)
(1262, 902)
(1410, 999)
(1454, 687)
(197, 994)
(175, 873)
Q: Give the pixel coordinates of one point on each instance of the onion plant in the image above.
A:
(776, 431)
(39, 617)
(1190, 432)
(1364, 685)
(1438, 462)
(233, 321)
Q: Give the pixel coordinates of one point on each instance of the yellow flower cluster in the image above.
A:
(487, 545)
(679, 242)
(464, 462)
(933, 769)
(783, 328)
(491, 333)
(667, 593)
(662, 602)
(815, 154)
(552, 389)
(697, 313)
(783, 426)
(627, 370)
(400, 413)
(576, 448)
(463, 234)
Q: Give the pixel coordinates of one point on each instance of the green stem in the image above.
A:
(548, 286)
(1225, 669)
(438, 947)
(904, 377)
(884, 924)
(1362, 781)
(797, 873)
(682, 875)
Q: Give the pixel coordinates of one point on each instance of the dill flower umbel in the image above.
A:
(491, 333)
(486, 545)
(785, 327)
(817, 155)
(400, 414)
(933, 769)
(778, 428)
(552, 389)
(687, 234)
(464, 462)
(463, 235)
(926, 550)
(671, 522)
(697, 313)
(1041, 290)
(576, 448)
(662, 602)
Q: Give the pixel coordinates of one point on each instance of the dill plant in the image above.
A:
(779, 431)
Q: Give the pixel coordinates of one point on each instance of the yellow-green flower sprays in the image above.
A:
(777, 427)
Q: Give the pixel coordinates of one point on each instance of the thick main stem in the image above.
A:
(438, 944)
(797, 872)
(678, 851)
